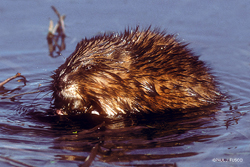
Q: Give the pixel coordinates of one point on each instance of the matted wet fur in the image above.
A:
(135, 71)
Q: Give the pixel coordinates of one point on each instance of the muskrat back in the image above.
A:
(135, 71)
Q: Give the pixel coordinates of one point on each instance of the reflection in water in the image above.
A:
(133, 138)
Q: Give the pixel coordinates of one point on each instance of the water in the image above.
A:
(218, 31)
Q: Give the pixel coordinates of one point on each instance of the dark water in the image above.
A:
(219, 31)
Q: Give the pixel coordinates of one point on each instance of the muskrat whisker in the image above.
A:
(21, 94)
(40, 91)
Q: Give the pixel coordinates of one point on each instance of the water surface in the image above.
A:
(218, 31)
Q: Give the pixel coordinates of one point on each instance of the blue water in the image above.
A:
(218, 31)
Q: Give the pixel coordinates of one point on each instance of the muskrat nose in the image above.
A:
(59, 86)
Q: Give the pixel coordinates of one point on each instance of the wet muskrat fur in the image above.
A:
(136, 71)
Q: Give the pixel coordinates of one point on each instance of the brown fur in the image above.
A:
(135, 71)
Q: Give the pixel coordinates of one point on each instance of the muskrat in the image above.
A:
(137, 71)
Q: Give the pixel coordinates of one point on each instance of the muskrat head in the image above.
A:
(70, 96)
(88, 80)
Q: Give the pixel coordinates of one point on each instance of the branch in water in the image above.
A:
(91, 156)
(55, 33)
(13, 77)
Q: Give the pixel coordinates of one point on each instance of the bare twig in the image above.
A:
(60, 24)
(13, 77)
(55, 33)
(55, 10)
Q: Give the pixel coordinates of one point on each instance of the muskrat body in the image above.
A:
(135, 71)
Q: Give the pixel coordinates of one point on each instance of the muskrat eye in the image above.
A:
(88, 67)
